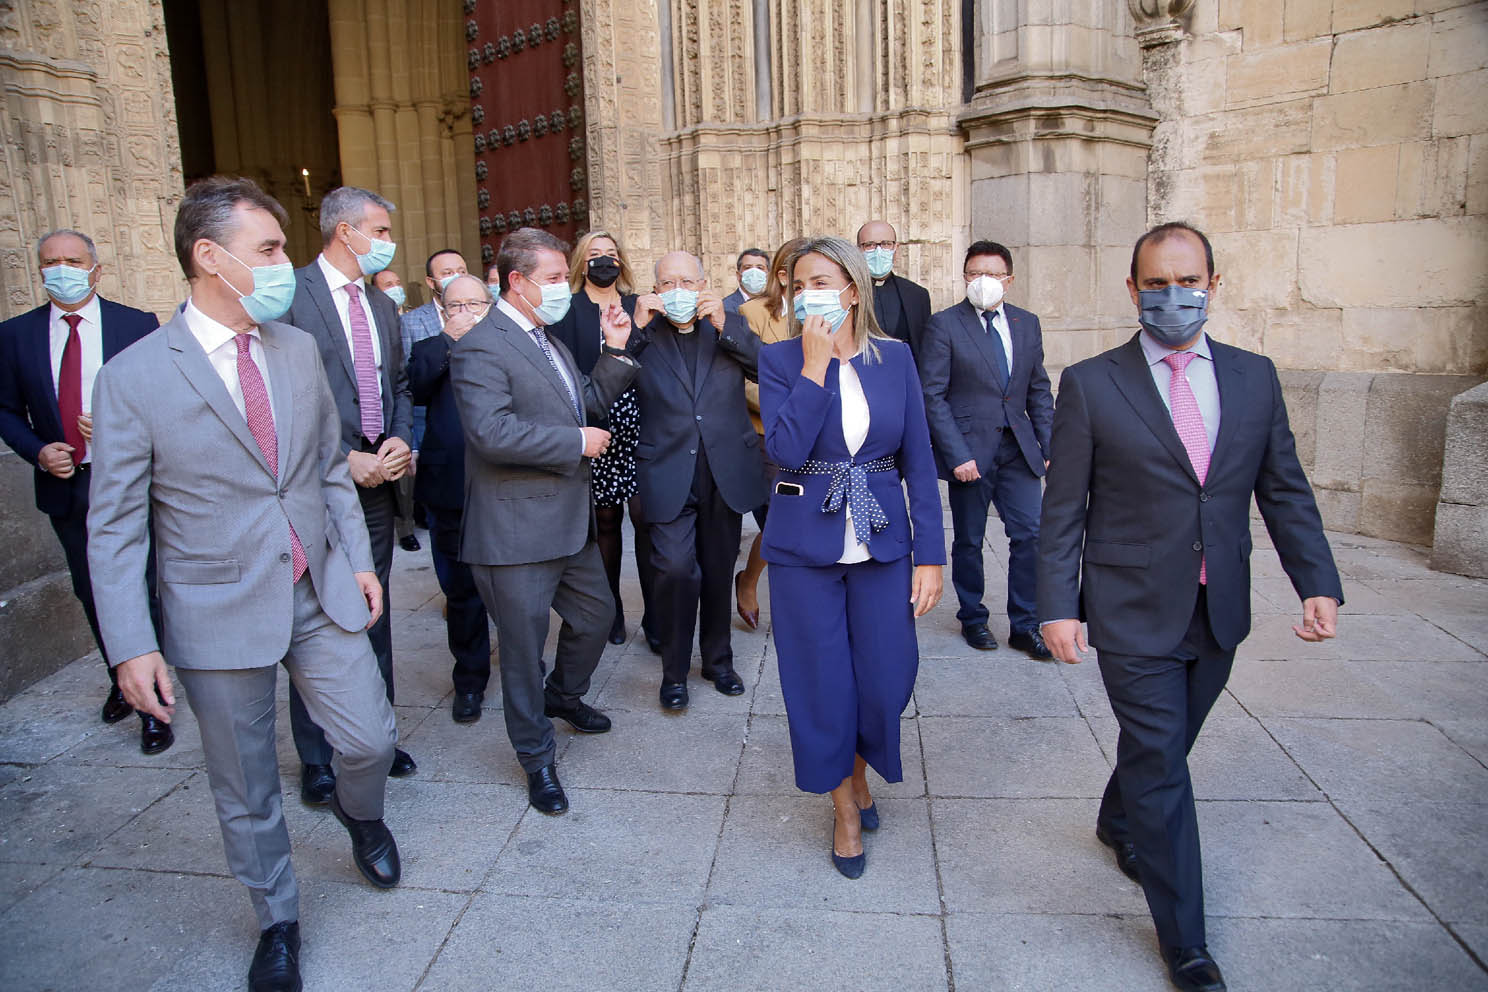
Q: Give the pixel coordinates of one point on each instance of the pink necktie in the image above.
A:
(366, 365)
(261, 425)
(1189, 423)
(70, 389)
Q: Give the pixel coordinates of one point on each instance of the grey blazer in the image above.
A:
(314, 312)
(526, 480)
(168, 439)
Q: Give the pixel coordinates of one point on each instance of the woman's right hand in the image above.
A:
(816, 345)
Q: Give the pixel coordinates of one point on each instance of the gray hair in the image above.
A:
(485, 289)
(855, 267)
(92, 250)
(206, 213)
(347, 204)
(518, 252)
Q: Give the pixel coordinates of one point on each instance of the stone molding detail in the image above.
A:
(1160, 22)
(89, 121)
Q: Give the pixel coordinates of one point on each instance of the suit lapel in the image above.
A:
(320, 292)
(1134, 378)
(1230, 379)
(198, 371)
(888, 305)
(39, 361)
(109, 332)
(281, 390)
(664, 342)
(528, 349)
(707, 348)
(981, 339)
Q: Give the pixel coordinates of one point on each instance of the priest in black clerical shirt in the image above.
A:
(901, 306)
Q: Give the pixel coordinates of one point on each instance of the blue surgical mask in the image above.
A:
(753, 281)
(273, 289)
(880, 261)
(67, 284)
(555, 302)
(444, 283)
(1173, 315)
(681, 304)
(396, 294)
(377, 258)
(821, 303)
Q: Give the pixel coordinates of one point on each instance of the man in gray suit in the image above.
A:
(361, 349)
(222, 426)
(529, 533)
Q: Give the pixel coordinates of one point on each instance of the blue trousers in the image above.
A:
(1017, 493)
(848, 659)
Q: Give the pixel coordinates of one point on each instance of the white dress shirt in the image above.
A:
(520, 319)
(217, 340)
(1200, 375)
(999, 323)
(855, 420)
(337, 282)
(90, 336)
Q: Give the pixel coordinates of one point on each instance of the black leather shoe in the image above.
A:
(545, 792)
(1032, 642)
(1126, 851)
(674, 695)
(467, 706)
(403, 764)
(372, 848)
(617, 629)
(317, 784)
(729, 683)
(276, 963)
(979, 637)
(409, 543)
(155, 735)
(114, 707)
(581, 717)
(1193, 970)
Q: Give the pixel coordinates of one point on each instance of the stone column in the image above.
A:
(403, 121)
(1058, 131)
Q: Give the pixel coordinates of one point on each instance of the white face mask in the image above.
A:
(984, 292)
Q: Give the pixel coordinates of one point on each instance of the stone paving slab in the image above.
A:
(1342, 793)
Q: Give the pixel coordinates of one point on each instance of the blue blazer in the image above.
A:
(803, 421)
(29, 417)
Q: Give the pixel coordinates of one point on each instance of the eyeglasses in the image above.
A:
(870, 245)
(666, 284)
(459, 308)
(999, 276)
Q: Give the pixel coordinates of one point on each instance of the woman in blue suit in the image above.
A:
(845, 420)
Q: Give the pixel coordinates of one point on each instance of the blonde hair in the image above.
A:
(578, 266)
(855, 268)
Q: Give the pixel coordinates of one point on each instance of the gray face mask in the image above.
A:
(1173, 315)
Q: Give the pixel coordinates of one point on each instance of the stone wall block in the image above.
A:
(1306, 19)
(1385, 115)
(1405, 429)
(1475, 196)
(1302, 337)
(1460, 539)
(1351, 14)
(1465, 467)
(1259, 20)
(1300, 392)
(1457, 40)
(1366, 184)
(1397, 510)
(1338, 508)
(1060, 209)
(1398, 264)
(1462, 104)
(999, 209)
(1383, 56)
(1259, 268)
(1257, 132)
(1276, 74)
(1342, 405)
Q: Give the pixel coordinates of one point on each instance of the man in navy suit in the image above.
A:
(1159, 447)
(49, 357)
(988, 402)
(439, 487)
(357, 329)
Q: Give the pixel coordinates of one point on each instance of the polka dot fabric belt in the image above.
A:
(850, 484)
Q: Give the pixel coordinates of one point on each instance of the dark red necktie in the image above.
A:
(260, 418)
(70, 389)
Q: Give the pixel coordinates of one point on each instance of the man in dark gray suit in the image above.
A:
(698, 469)
(220, 424)
(988, 402)
(360, 342)
(529, 532)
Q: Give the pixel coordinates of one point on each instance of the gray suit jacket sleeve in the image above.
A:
(119, 515)
(493, 430)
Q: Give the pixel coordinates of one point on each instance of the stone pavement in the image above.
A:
(1343, 793)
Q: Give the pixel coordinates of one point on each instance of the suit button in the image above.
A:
(283, 493)
(1203, 497)
(1197, 546)
(693, 451)
(284, 557)
(699, 417)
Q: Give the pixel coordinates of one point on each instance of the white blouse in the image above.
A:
(854, 432)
